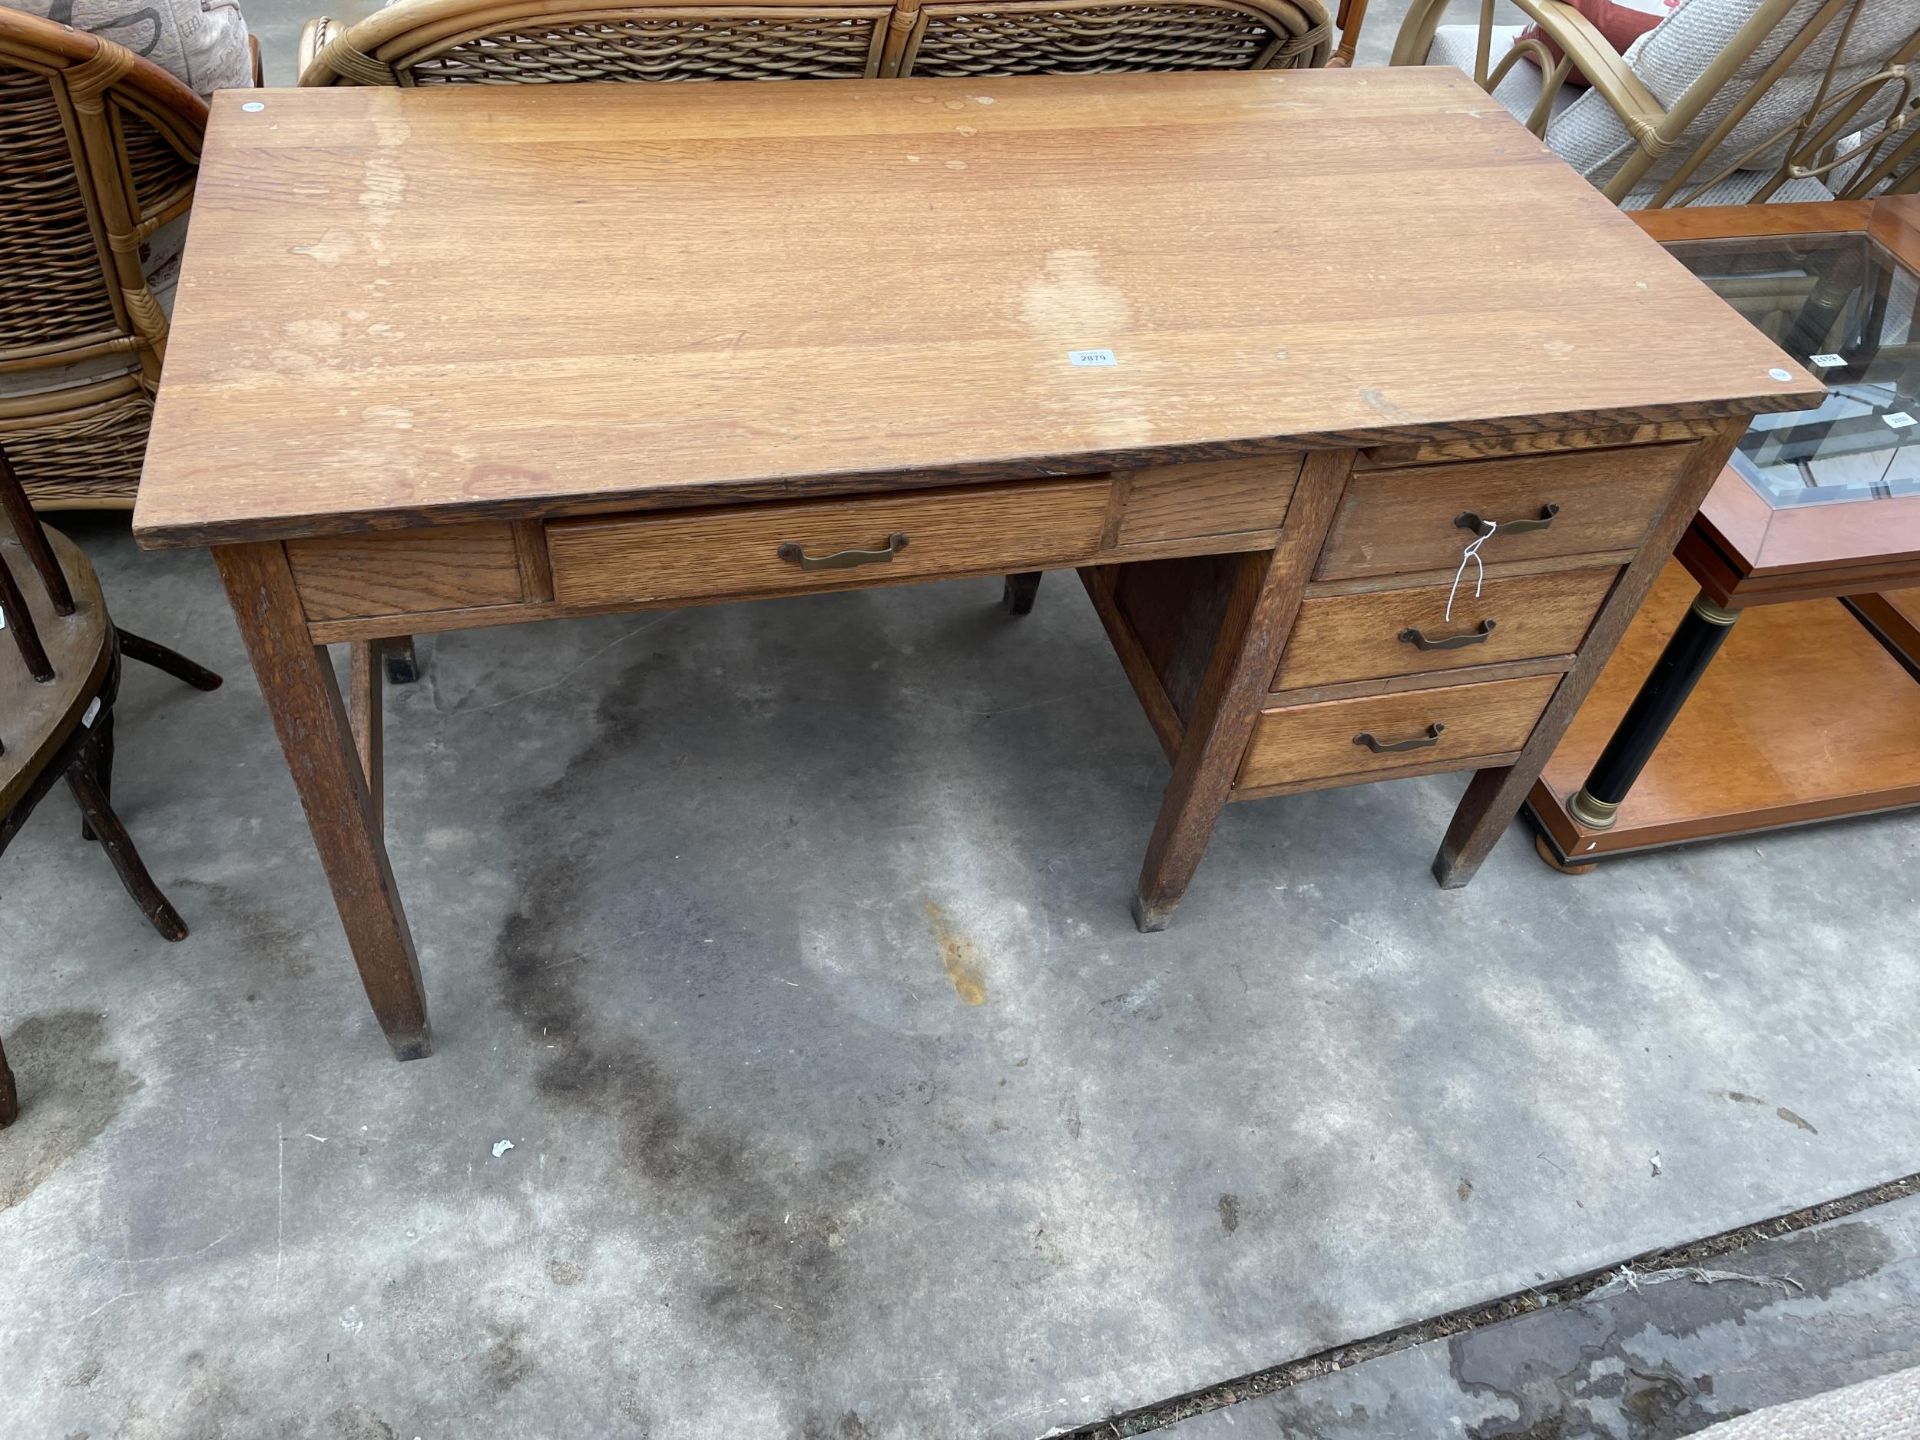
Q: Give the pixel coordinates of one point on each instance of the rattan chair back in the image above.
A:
(487, 42)
(98, 151)
(1801, 90)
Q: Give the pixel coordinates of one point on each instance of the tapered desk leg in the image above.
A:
(365, 715)
(1494, 797)
(9, 1095)
(1267, 587)
(298, 685)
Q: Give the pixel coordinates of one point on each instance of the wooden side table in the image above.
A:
(1809, 713)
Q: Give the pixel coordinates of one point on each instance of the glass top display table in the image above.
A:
(1811, 711)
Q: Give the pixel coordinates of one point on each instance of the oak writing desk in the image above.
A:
(1260, 354)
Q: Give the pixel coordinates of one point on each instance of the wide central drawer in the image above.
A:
(1455, 725)
(1423, 517)
(1377, 634)
(825, 544)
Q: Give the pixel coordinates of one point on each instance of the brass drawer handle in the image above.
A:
(1394, 747)
(795, 552)
(1476, 522)
(1422, 641)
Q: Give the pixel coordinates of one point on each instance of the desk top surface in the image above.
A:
(409, 306)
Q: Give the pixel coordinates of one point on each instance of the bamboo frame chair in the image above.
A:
(423, 42)
(56, 700)
(99, 150)
(1856, 131)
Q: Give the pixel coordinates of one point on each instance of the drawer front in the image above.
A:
(1376, 634)
(456, 567)
(1404, 520)
(776, 549)
(1209, 497)
(1320, 742)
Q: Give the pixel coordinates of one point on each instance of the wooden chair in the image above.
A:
(492, 42)
(99, 150)
(1724, 102)
(56, 699)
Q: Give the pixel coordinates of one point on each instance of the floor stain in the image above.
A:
(356, 1422)
(69, 1092)
(958, 956)
(1229, 1212)
(1740, 1097)
(1465, 1188)
(776, 1277)
(507, 1362)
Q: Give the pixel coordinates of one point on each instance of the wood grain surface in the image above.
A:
(1316, 742)
(1260, 601)
(450, 303)
(1392, 522)
(1801, 716)
(1338, 638)
(455, 567)
(1495, 795)
(1210, 497)
(303, 696)
(737, 550)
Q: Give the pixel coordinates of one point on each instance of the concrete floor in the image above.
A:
(1662, 1354)
(788, 944)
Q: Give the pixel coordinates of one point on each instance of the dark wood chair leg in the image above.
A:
(103, 766)
(403, 666)
(9, 1096)
(83, 779)
(1021, 588)
(150, 652)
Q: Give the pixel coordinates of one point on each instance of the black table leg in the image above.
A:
(1597, 803)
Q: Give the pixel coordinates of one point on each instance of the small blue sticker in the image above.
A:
(1091, 357)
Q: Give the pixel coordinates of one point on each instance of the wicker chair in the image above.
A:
(1723, 102)
(427, 42)
(98, 154)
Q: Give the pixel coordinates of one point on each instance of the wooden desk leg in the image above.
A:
(1494, 797)
(403, 665)
(1020, 589)
(9, 1096)
(297, 682)
(1266, 596)
(364, 713)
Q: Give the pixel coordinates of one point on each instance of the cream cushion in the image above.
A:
(1584, 130)
(202, 42)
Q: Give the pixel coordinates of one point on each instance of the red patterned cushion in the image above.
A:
(1620, 22)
